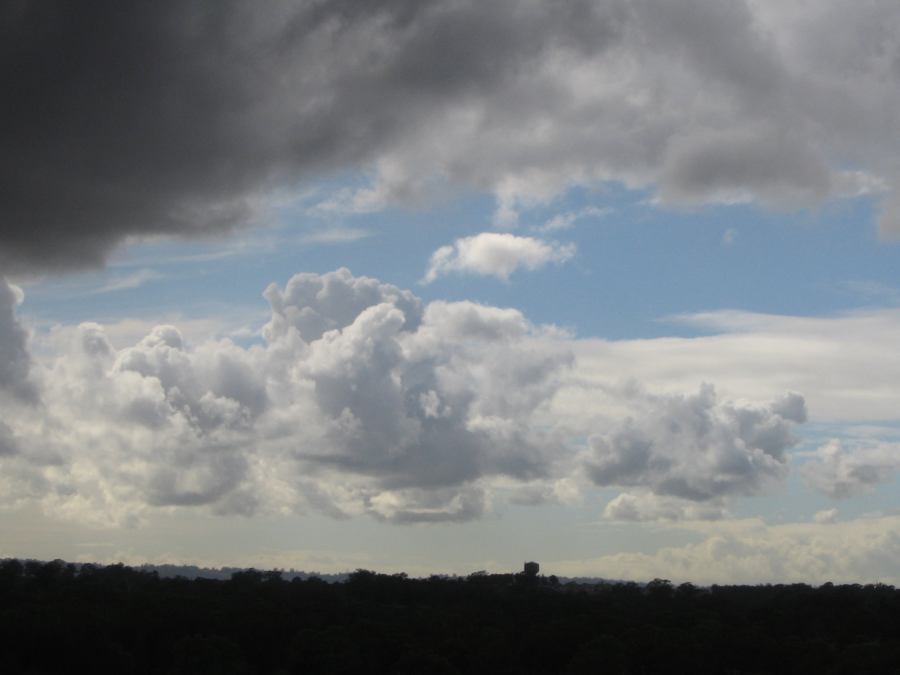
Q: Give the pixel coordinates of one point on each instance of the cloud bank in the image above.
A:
(190, 118)
(361, 399)
(752, 552)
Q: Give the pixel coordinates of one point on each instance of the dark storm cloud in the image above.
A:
(147, 118)
(189, 118)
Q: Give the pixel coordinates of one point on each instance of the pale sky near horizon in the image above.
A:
(444, 286)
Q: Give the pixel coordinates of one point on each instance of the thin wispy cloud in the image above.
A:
(334, 235)
(261, 243)
(729, 236)
(128, 282)
(566, 221)
(872, 292)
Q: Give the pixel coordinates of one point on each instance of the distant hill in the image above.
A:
(224, 573)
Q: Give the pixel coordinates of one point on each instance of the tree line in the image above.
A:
(61, 618)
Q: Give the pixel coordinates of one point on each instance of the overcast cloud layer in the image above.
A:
(187, 118)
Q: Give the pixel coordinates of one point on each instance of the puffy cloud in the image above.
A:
(495, 254)
(697, 448)
(359, 401)
(423, 408)
(312, 304)
(567, 220)
(155, 424)
(15, 360)
(842, 471)
(109, 136)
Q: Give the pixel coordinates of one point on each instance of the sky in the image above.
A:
(440, 286)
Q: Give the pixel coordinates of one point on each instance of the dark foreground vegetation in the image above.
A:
(58, 618)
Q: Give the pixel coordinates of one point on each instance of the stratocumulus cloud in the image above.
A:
(361, 399)
(191, 117)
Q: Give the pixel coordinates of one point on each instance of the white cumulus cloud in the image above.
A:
(360, 401)
(496, 254)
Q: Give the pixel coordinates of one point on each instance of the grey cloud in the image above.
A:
(842, 471)
(416, 408)
(178, 118)
(733, 164)
(184, 118)
(210, 386)
(312, 304)
(791, 406)
(197, 478)
(698, 448)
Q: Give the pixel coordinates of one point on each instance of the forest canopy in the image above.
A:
(57, 617)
